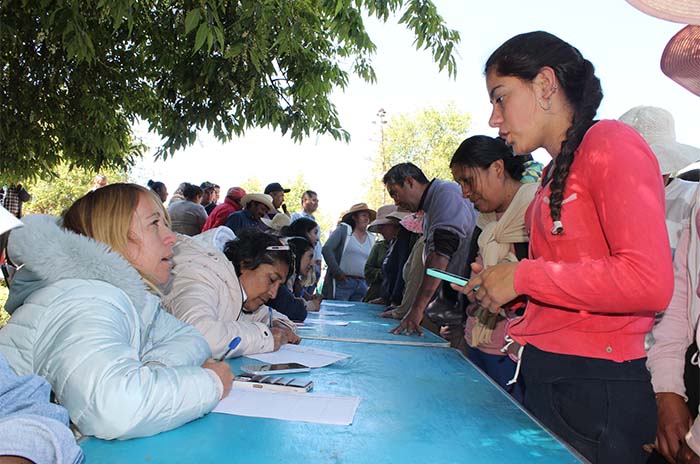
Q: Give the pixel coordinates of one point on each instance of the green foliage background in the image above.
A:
(56, 193)
(427, 138)
(75, 74)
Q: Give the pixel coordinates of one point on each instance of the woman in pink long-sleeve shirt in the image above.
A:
(600, 261)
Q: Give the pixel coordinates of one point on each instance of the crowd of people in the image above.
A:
(582, 300)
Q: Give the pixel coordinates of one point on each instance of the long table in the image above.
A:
(420, 404)
(364, 326)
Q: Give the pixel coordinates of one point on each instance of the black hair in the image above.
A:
(207, 186)
(524, 56)
(307, 194)
(398, 173)
(250, 249)
(481, 151)
(155, 185)
(299, 227)
(191, 192)
(349, 220)
(299, 246)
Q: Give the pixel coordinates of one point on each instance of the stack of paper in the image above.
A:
(307, 356)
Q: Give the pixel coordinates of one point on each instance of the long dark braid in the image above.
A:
(523, 56)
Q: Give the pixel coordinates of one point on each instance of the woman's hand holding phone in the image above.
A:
(494, 286)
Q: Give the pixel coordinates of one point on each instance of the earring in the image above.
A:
(546, 105)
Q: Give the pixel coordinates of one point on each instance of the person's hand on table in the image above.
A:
(223, 370)
(686, 455)
(410, 323)
(388, 313)
(496, 285)
(284, 335)
(293, 338)
(379, 301)
(313, 305)
(674, 422)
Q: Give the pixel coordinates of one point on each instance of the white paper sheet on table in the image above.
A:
(325, 322)
(311, 357)
(303, 407)
(337, 305)
(323, 312)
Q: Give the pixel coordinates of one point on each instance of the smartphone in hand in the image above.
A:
(448, 276)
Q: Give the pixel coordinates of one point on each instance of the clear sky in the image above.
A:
(624, 45)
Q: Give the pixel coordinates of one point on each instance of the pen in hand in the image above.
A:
(269, 311)
(231, 346)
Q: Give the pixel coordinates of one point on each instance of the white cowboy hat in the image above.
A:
(681, 58)
(260, 198)
(8, 221)
(277, 222)
(657, 127)
(383, 218)
(678, 11)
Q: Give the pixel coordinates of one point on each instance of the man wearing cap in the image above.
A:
(276, 191)
(255, 207)
(231, 204)
(657, 127)
(210, 197)
(447, 226)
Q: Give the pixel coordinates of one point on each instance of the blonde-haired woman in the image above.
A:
(83, 317)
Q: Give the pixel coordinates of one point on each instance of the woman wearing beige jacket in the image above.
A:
(224, 299)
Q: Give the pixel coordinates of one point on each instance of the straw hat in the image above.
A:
(260, 198)
(678, 11)
(383, 218)
(356, 208)
(657, 127)
(277, 222)
(8, 221)
(681, 58)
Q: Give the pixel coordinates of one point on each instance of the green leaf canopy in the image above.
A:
(76, 74)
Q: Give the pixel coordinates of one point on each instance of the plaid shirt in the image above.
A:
(14, 197)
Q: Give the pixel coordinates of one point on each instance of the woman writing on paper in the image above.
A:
(224, 294)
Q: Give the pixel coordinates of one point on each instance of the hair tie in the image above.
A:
(558, 228)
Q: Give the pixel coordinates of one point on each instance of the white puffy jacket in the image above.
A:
(83, 318)
(205, 292)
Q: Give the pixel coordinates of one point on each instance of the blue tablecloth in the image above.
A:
(365, 326)
(419, 405)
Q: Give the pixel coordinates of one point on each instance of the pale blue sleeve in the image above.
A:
(90, 355)
(30, 425)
